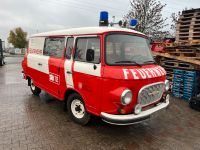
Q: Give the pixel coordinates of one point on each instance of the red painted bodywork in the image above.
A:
(160, 46)
(157, 47)
(100, 94)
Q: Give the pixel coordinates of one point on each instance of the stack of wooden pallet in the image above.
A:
(184, 55)
(188, 26)
(180, 55)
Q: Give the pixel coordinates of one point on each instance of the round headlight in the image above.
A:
(138, 109)
(167, 86)
(126, 97)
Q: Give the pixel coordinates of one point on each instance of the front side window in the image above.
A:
(126, 49)
(54, 47)
(87, 45)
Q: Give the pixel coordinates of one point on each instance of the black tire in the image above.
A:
(34, 89)
(191, 104)
(65, 106)
(76, 109)
(1, 62)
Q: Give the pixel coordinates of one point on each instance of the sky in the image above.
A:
(36, 16)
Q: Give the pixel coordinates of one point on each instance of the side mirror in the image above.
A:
(90, 55)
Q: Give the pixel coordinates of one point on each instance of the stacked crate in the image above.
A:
(177, 88)
(185, 84)
(188, 26)
(190, 84)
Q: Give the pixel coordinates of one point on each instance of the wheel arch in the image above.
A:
(68, 92)
(71, 91)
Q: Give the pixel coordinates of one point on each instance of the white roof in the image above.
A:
(85, 30)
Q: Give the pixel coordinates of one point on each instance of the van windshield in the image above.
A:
(126, 49)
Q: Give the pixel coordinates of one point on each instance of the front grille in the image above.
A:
(150, 93)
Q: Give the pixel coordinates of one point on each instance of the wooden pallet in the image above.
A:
(182, 43)
(188, 25)
(193, 60)
(194, 42)
(184, 53)
(182, 50)
(178, 65)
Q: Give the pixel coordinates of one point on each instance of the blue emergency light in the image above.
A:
(103, 18)
(103, 15)
(133, 23)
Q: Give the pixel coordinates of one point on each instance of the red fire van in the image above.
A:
(104, 71)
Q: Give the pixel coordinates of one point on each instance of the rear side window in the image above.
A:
(83, 44)
(70, 42)
(36, 45)
(54, 47)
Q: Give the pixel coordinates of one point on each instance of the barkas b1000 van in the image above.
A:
(103, 71)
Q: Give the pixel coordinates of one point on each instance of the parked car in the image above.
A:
(1, 54)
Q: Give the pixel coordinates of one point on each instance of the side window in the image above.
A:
(54, 47)
(69, 47)
(87, 44)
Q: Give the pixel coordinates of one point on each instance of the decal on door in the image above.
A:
(35, 51)
(54, 78)
(143, 73)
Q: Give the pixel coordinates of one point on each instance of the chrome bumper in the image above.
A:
(132, 118)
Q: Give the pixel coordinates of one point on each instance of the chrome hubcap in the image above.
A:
(77, 108)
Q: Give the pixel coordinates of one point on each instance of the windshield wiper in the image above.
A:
(149, 62)
(128, 61)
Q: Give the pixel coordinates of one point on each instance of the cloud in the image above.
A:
(45, 15)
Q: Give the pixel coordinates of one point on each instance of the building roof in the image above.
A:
(85, 30)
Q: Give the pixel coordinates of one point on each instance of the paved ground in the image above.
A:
(29, 122)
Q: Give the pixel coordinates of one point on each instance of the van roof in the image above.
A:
(84, 31)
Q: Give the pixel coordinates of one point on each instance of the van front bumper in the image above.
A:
(132, 118)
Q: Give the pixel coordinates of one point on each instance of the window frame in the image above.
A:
(63, 51)
(87, 37)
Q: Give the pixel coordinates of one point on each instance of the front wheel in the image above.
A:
(34, 89)
(77, 110)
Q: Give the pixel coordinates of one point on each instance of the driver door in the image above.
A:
(87, 70)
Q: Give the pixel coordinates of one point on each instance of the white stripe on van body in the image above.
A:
(38, 62)
(68, 76)
(87, 68)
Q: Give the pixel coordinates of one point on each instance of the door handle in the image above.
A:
(94, 67)
(39, 64)
(69, 72)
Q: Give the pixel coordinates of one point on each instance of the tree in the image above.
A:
(18, 38)
(149, 16)
(175, 17)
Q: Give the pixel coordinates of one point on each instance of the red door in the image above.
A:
(54, 76)
(54, 46)
(87, 74)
